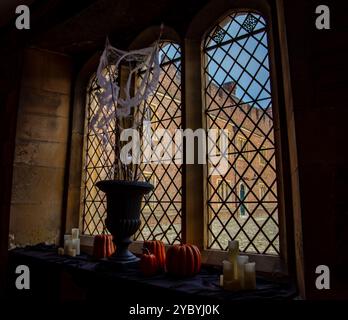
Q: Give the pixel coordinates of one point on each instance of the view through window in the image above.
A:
(161, 211)
(238, 98)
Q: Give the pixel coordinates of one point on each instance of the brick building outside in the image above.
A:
(248, 186)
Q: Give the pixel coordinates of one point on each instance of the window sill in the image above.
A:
(267, 264)
(102, 280)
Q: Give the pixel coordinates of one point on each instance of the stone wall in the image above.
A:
(41, 145)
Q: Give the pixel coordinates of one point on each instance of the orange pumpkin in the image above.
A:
(183, 260)
(157, 248)
(148, 263)
(103, 246)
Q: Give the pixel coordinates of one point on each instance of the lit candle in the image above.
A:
(249, 276)
(76, 245)
(241, 261)
(228, 270)
(75, 232)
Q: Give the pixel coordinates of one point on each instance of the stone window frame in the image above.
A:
(290, 259)
(213, 13)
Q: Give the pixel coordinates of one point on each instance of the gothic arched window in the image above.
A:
(238, 98)
(161, 211)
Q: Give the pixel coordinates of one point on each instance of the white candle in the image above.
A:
(72, 252)
(60, 251)
(76, 245)
(221, 280)
(241, 261)
(75, 232)
(233, 250)
(68, 245)
(249, 276)
(228, 270)
(67, 237)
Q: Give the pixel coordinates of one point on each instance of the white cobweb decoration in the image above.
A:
(111, 103)
(118, 110)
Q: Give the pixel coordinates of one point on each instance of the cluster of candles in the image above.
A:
(238, 272)
(71, 244)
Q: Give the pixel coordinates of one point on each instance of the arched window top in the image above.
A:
(151, 34)
(235, 25)
(237, 53)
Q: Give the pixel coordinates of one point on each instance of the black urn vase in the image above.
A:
(123, 213)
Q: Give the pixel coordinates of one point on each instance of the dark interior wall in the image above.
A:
(41, 147)
(9, 89)
(318, 70)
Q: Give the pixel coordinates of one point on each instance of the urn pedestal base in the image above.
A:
(123, 255)
(123, 214)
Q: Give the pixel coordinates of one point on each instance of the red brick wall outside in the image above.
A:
(166, 114)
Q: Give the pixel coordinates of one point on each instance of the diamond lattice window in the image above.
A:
(162, 209)
(238, 98)
(98, 162)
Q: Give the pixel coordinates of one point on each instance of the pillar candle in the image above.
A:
(228, 270)
(60, 251)
(68, 245)
(67, 237)
(75, 232)
(249, 276)
(221, 280)
(233, 250)
(241, 261)
(72, 252)
(76, 245)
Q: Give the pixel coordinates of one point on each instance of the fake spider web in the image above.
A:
(112, 104)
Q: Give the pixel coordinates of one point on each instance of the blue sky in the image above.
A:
(249, 54)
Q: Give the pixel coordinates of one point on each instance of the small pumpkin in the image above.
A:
(148, 263)
(183, 260)
(157, 248)
(103, 246)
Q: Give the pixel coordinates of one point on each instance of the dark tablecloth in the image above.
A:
(102, 278)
